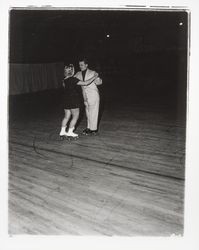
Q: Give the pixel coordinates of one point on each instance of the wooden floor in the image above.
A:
(128, 180)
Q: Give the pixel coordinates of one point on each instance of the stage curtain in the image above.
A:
(27, 78)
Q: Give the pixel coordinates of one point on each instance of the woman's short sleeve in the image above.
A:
(76, 80)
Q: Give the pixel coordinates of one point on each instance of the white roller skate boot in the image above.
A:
(62, 133)
(70, 134)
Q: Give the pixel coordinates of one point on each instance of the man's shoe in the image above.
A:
(86, 131)
(93, 132)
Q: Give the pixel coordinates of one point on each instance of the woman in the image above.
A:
(72, 100)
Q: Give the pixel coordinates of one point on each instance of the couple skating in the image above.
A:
(88, 80)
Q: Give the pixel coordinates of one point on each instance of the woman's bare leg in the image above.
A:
(66, 117)
(65, 121)
(75, 116)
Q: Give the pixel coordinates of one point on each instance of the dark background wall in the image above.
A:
(140, 54)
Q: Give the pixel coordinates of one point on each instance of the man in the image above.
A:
(91, 97)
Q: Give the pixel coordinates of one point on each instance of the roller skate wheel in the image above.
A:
(62, 137)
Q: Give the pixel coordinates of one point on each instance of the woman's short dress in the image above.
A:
(72, 97)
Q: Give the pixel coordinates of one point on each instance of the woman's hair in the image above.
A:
(69, 70)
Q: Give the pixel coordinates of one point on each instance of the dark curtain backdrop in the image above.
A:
(27, 78)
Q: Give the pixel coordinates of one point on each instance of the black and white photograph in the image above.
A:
(97, 116)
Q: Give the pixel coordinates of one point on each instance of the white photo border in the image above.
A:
(190, 240)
